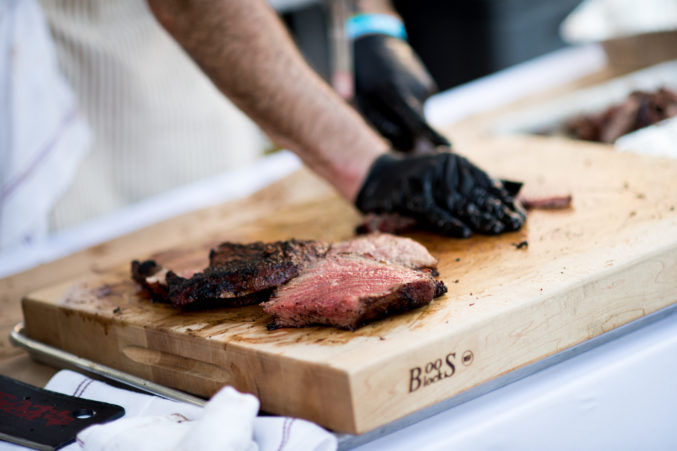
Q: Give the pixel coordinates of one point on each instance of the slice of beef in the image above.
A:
(389, 249)
(236, 255)
(237, 271)
(206, 290)
(546, 203)
(385, 222)
(348, 291)
(244, 274)
(640, 109)
(153, 278)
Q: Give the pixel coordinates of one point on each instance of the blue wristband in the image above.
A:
(364, 24)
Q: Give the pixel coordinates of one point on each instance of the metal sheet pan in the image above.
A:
(61, 359)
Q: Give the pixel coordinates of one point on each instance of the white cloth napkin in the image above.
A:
(228, 421)
(43, 137)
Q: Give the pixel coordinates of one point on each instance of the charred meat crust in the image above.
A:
(238, 274)
(235, 256)
(230, 286)
(166, 286)
(236, 271)
(149, 275)
(242, 301)
(147, 268)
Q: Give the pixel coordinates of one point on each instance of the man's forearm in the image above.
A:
(246, 51)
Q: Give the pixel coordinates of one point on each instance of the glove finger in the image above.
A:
(468, 177)
(441, 221)
(471, 201)
(471, 174)
(481, 221)
(505, 213)
(503, 192)
(487, 202)
(515, 214)
(476, 198)
(511, 203)
(512, 220)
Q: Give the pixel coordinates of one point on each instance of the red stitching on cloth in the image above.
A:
(180, 416)
(286, 428)
(48, 147)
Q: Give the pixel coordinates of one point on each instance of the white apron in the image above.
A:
(156, 120)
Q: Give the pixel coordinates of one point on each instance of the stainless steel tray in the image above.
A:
(61, 359)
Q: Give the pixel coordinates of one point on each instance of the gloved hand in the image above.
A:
(443, 191)
(391, 85)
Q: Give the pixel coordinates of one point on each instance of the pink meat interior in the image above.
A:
(335, 287)
(388, 248)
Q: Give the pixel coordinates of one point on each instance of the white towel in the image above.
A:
(228, 421)
(43, 138)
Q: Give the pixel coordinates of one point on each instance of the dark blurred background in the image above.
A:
(457, 40)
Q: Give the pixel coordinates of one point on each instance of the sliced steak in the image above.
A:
(389, 249)
(236, 256)
(245, 274)
(385, 222)
(153, 278)
(237, 271)
(348, 291)
(640, 109)
(211, 289)
(546, 203)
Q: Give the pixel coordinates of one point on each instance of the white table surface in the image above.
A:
(621, 395)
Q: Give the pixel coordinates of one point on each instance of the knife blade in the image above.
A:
(47, 420)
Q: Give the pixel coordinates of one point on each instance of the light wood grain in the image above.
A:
(193, 227)
(608, 260)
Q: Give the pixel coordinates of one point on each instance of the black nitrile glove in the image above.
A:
(391, 85)
(444, 192)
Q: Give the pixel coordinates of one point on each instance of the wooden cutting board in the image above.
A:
(610, 259)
